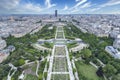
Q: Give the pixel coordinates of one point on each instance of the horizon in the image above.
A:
(59, 14)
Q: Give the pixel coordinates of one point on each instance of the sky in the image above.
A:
(63, 6)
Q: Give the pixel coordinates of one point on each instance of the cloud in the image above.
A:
(109, 3)
(75, 10)
(76, 7)
(94, 9)
(79, 3)
(6, 4)
(86, 5)
(65, 8)
(30, 7)
(14, 6)
(48, 4)
(77, 0)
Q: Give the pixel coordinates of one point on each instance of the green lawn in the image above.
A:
(60, 64)
(71, 45)
(87, 72)
(48, 45)
(32, 67)
(60, 77)
(59, 28)
(60, 35)
(30, 77)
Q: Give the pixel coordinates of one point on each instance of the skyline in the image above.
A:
(63, 6)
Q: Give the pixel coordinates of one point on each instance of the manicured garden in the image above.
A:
(71, 45)
(86, 71)
(31, 77)
(59, 28)
(60, 64)
(60, 51)
(30, 68)
(97, 47)
(60, 35)
(48, 45)
(24, 50)
(60, 77)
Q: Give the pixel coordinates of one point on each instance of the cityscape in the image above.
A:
(53, 40)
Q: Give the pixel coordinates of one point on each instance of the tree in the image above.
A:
(4, 71)
(103, 45)
(116, 77)
(45, 75)
(40, 76)
(86, 53)
(109, 70)
(21, 62)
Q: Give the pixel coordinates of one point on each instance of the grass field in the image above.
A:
(71, 45)
(30, 68)
(86, 71)
(30, 77)
(59, 28)
(60, 77)
(60, 51)
(60, 64)
(60, 35)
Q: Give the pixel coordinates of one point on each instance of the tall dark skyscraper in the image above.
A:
(56, 14)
